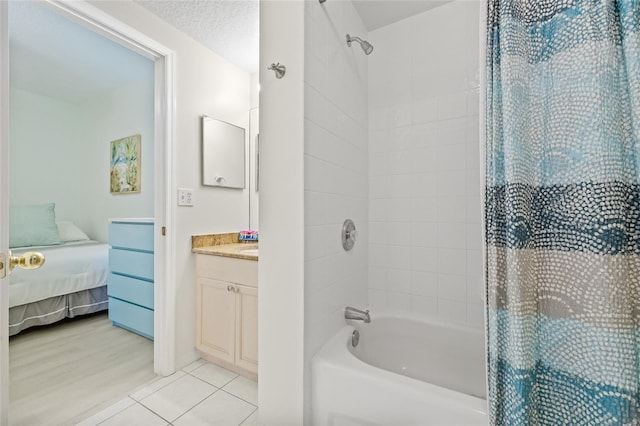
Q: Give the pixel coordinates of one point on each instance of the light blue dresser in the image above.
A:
(130, 283)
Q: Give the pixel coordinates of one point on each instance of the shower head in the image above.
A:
(366, 46)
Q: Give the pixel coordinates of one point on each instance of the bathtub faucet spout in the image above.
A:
(357, 314)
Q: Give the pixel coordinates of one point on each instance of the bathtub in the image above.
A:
(402, 372)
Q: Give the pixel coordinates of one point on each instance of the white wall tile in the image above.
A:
(452, 235)
(400, 210)
(452, 105)
(452, 183)
(452, 312)
(425, 110)
(424, 166)
(424, 306)
(377, 299)
(425, 185)
(452, 156)
(337, 172)
(424, 136)
(475, 315)
(424, 209)
(424, 284)
(452, 287)
(474, 210)
(452, 209)
(474, 236)
(378, 277)
(399, 280)
(424, 259)
(424, 234)
(398, 302)
(452, 261)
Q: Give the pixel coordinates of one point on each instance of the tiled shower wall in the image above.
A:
(336, 170)
(424, 208)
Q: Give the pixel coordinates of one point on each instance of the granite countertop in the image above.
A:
(247, 251)
(226, 245)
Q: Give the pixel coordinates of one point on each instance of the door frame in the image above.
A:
(164, 165)
(164, 177)
(4, 211)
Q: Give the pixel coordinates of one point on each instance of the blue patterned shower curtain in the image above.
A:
(563, 212)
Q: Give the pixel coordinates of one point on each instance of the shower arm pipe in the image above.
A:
(367, 47)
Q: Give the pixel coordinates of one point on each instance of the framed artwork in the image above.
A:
(125, 165)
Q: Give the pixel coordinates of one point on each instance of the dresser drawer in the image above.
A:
(132, 263)
(131, 289)
(136, 236)
(132, 317)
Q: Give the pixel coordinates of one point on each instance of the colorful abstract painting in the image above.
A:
(125, 165)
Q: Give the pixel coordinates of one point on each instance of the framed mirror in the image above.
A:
(223, 154)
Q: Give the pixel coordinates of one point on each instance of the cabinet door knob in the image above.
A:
(230, 288)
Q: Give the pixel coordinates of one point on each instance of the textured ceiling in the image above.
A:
(231, 27)
(228, 27)
(58, 58)
(55, 57)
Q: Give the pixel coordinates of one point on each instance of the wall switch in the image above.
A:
(185, 197)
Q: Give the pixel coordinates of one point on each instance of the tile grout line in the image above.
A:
(236, 396)
(242, 422)
(116, 413)
(215, 386)
(198, 403)
(153, 412)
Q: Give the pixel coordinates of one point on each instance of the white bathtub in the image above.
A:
(403, 372)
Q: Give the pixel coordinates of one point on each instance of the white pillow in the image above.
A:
(70, 232)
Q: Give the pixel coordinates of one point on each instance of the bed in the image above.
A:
(73, 279)
(72, 282)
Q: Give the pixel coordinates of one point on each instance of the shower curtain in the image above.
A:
(563, 212)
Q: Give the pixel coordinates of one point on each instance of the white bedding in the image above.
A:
(68, 268)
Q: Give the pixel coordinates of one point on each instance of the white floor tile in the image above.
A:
(135, 415)
(211, 373)
(156, 385)
(243, 388)
(219, 409)
(107, 412)
(253, 420)
(178, 397)
(195, 364)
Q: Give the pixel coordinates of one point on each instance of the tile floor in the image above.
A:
(201, 394)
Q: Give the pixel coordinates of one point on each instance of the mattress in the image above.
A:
(68, 268)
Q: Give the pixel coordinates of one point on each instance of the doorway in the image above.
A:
(163, 61)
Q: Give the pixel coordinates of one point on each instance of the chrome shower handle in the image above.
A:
(280, 70)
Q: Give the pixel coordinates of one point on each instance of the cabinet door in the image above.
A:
(247, 328)
(216, 319)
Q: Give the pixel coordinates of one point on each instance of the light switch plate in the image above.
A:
(185, 197)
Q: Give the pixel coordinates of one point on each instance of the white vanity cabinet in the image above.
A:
(227, 312)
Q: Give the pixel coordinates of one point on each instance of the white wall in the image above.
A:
(119, 113)
(60, 153)
(336, 171)
(281, 266)
(43, 131)
(205, 84)
(425, 209)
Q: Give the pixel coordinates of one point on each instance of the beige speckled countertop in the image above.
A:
(226, 245)
(247, 251)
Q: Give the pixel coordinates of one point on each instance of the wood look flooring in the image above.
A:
(63, 373)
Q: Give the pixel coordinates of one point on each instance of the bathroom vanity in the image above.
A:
(227, 306)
